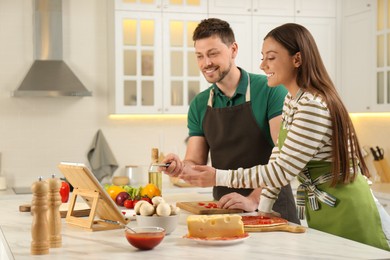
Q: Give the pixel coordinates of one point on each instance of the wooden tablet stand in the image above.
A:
(86, 186)
(88, 223)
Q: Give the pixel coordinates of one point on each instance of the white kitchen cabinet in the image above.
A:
(358, 56)
(310, 8)
(153, 68)
(261, 26)
(259, 17)
(315, 8)
(252, 7)
(182, 79)
(351, 7)
(365, 63)
(182, 6)
(324, 32)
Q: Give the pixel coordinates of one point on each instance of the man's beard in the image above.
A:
(221, 75)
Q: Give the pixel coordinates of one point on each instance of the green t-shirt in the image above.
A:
(267, 102)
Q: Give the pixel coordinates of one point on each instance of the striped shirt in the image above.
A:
(308, 122)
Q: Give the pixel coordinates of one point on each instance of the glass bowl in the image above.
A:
(144, 238)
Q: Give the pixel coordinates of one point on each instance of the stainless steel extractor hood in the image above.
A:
(49, 75)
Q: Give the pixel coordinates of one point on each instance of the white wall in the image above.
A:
(37, 133)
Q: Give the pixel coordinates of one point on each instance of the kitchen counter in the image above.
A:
(15, 239)
(382, 193)
(381, 190)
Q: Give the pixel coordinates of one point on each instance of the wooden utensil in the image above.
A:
(283, 227)
(196, 207)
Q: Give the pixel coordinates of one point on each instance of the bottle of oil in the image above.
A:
(155, 176)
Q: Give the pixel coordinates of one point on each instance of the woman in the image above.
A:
(317, 142)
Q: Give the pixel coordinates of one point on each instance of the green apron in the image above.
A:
(354, 214)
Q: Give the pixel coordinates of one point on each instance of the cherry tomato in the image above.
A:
(129, 204)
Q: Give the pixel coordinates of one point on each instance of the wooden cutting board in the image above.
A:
(283, 227)
(196, 208)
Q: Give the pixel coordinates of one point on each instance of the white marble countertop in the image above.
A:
(80, 244)
(381, 190)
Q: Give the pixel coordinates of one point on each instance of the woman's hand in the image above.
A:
(235, 200)
(176, 165)
(199, 175)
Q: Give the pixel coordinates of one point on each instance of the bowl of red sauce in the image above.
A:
(145, 238)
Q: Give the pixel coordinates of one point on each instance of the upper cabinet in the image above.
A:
(152, 63)
(358, 59)
(255, 7)
(315, 8)
(181, 6)
(382, 64)
(251, 20)
(366, 55)
(153, 66)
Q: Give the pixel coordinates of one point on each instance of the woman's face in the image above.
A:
(279, 66)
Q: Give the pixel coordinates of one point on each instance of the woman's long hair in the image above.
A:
(312, 76)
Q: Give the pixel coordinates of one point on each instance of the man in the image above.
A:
(237, 119)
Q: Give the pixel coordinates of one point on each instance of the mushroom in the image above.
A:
(137, 206)
(157, 200)
(174, 210)
(146, 209)
(163, 209)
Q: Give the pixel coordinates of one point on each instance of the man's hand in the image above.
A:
(199, 175)
(176, 165)
(237, 201)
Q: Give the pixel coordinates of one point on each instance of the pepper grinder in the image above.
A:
(39, 227)
(53, 214)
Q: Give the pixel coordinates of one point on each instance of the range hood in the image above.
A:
(49, 75)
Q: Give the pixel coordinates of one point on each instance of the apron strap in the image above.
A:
(313, 193)
(247, 95)
(248, 92)
(211, 96)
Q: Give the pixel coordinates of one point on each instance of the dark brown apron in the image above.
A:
(235, 141)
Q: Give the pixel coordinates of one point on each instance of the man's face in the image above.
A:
(215, 59)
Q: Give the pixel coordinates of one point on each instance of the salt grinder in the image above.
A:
(39, 227)
(53, 214)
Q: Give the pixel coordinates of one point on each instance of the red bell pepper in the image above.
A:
(64, 191)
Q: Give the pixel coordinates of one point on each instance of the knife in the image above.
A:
(374, 153)
(380, 153)
(161, 164)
